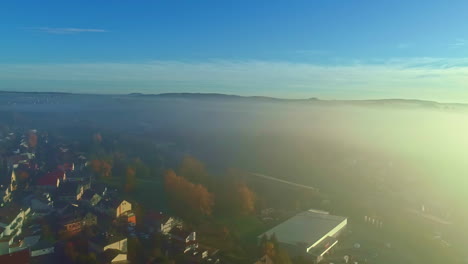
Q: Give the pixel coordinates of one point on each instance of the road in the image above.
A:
(259, 175)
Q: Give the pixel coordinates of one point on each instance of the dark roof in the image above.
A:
(88, 194)
(59, 204)
(69, 188)
(104, 239)
(7, 214)
(110, 202)
(14, 159)
(179, 233)
(42, 244)
(99, 188)
(76, 175)
(72, 214)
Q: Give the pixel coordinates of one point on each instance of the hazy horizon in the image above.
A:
(288, 50)
(175, 93)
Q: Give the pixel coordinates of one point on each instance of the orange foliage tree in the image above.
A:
(187, 195)
(97, 138)
(32, 140)
(101, 167)
(23, 175)
(193, 170)
(130, 179)
(246, 198)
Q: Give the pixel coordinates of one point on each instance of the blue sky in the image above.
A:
(322, 48)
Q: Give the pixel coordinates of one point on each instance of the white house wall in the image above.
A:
(119, 245)
(119, 257)
(123, 207)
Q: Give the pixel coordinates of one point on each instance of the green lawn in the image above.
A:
(247, 227)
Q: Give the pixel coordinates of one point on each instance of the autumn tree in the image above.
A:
(185, 195)
(271, 247)
(70, 251)
(233, 195)
(194, 170)
(22, 175)
(101, 167)
(130, 179)
(246, 198)
(97, 138)
(32, 139)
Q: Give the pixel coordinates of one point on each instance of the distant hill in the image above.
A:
(373, 102)
(35, 93)
(218, 96)
(405, 103)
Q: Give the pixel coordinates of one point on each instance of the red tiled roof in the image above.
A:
(65, 166)
(20, 257)
(51, 178)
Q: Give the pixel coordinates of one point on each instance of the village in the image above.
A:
(45, 208)
(59, 205)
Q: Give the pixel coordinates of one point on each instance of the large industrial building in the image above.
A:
(311, 233)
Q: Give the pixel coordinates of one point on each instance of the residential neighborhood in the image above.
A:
(46, 204)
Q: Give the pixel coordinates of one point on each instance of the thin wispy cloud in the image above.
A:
(423, 78)
(404, 45)
(311, 52)
(459, 43)
(69, 30)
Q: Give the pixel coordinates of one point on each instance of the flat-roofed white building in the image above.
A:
(311, 233)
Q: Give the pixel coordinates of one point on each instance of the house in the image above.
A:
(89, 219)
(71, 191)
(41, 204)
(78, 175)
(105, 241)
(164, 223)
(19, 180)
(42, 248)
(61, 206)
(67, 167)
(52, 179)
(71, 226)
(80, 161)
(100, 189)
(311, 233)
(114, 207)
(27, 241)
(122, 208)
(130, 217)
(206, 256)
(112, 256)
(91, 198)
(183, 240)
(74, 220)
(5, 242)
(13, 181)
(12, 219)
